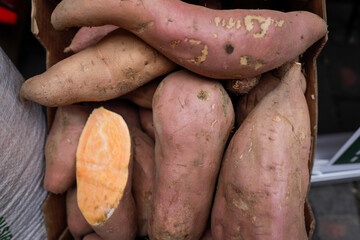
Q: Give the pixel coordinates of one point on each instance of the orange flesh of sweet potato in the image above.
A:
(102, 165)
(264, 177)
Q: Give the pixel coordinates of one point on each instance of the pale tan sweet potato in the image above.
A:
(77, 224)
(104, 176)
(118, 64)
(246, 103)
(143, 95)
(193, 117)
(143, 176)
(60, 147)
(264, 177)
(146, 121)
(88, 36)
(222, 44)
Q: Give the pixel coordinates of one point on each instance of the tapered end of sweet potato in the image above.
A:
(102, 165)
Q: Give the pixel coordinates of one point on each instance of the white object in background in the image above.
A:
(337, 158)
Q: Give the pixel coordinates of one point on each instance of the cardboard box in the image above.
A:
(56, 41)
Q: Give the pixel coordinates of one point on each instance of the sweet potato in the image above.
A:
(143, 176)
(241, 86)
(222, 44)
(193, 117)
(60, 147)
(264, 177)
(104, 176)
(92, 236)
(146, 121)
(88, 36)
(123, 107)
(246, 103)
(76, 222)
(118, 64)
(143, 95)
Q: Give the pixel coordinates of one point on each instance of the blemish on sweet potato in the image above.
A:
(203, 95)
(142, 27)
(202, 57)
(229, 48)
(174, 43)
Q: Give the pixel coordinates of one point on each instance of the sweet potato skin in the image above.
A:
(264, 177)
(143, 95)
(246, 103)
(92, 236)
(77, 224)
(190, 114)
(118, 64)
(143, 176)
(60, 147)
(88, 36)
(146, 121)
(245, 42)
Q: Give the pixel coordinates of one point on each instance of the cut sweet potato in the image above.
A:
(104, 176)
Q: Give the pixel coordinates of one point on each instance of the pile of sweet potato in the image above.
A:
(214, 112)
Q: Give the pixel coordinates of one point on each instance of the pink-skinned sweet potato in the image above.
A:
(92, 236)
(246, 103)
(143, 95)
(264, 178)
(117, 65)
(77, 224)
(146, 121)
(88, 36)
(193, 117)
(125, 108)
(221, 44)
(60, 147)
(143, 176)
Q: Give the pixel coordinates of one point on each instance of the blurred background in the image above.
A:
(335, 205)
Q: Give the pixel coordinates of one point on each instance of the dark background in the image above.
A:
(336, 206)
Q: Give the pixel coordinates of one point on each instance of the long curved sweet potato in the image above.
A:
(118, 64)
(60, 147)
(264, 177)
(193, 117)
(104, 176)
(222, 44)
